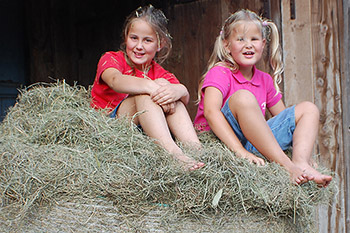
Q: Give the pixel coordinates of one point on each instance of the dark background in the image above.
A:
(46, 40)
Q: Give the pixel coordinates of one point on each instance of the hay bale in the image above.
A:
(54, 147)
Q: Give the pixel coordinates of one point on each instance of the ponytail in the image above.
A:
(275, 54)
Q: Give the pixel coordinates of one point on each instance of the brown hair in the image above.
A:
(158, 22)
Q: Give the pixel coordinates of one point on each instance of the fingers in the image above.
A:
(165, 94)
(257, 161)
(162, 97)
(251, 157)
(168, 108)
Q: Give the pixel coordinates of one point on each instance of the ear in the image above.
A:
(161, 45)
(264, 43)
(226, 45)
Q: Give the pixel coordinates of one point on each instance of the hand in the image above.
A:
(168, 108)
(165, 94)
(250, 156)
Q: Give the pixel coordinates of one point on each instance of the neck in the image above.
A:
(143, 67)
(247, 72)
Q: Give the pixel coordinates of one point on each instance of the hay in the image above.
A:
(55, 148)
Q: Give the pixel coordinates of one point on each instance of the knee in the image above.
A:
(143, 99)
(307, 108)
(243, 98)
(145, 102)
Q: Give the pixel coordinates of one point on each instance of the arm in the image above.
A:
(128, 84)
(169, 93)
(220, 126)
(277, 108)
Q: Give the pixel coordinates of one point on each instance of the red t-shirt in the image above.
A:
(105, 97)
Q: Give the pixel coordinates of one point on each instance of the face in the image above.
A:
(245, 44)
(141, 43)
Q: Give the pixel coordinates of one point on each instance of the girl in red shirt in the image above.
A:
(131, 81)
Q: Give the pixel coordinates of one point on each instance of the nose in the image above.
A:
(248, 45)
(139, 45)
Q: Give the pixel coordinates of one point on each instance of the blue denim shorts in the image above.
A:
(281, 125)
(113, 114)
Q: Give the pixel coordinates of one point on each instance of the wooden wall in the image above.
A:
(315, 70)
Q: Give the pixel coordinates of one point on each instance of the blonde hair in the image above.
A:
(269, 32)
(158, 22)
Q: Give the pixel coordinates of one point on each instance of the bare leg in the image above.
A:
(304, 137)
(186, 132)
(246, 110)
(155, 125)
(181, 126)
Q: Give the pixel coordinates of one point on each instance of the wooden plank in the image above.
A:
(312, 54)
(326, 24)
(194, 27)
(298, 79)
(345, 84)
(38, 26)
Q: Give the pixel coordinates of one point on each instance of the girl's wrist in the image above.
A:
(151, 86)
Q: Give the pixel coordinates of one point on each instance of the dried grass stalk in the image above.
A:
(54, 147)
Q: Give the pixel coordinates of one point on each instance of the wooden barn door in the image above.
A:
(313, 54)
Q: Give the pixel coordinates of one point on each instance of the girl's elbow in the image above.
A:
(208, 113)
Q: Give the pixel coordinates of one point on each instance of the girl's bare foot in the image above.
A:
(189, 163)
(299, 176)
(320, 179)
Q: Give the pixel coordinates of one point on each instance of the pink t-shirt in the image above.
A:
(105, 97)
(261, 85)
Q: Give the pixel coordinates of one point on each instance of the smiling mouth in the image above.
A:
(138, 54)
(248, 53)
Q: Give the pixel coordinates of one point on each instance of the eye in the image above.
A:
(148, 40)
(133, 37)
(240, 39)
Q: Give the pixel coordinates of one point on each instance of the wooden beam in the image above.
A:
(297, 44)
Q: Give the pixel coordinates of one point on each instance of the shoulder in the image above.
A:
(111, 55)
(219, 77)
(159, 72)
(115, 60)
(219, 70)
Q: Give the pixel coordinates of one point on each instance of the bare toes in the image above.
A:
(197, 166)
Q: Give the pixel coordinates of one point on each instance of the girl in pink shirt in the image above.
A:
(131, 81)
(234, 94)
